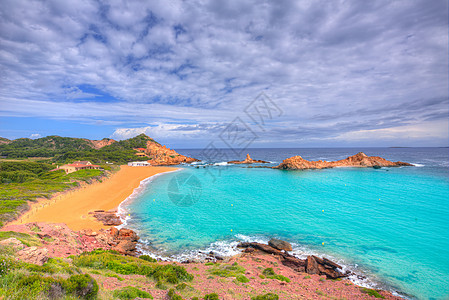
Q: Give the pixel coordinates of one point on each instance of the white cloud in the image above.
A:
(202, 62)
(35, 136)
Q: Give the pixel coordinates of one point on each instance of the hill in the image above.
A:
(65, 149)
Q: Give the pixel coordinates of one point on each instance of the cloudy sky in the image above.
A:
(328, 73)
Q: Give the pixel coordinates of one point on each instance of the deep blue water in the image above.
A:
(390, 224)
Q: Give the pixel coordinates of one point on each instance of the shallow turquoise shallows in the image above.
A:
(391, 225)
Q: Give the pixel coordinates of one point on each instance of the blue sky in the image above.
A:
(341, 73)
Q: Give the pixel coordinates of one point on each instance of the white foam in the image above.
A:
(223, 163)
(122, 212)
(418, 165)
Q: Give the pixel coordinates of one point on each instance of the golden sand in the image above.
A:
(72, 207)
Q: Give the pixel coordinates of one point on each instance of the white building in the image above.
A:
(139, 164)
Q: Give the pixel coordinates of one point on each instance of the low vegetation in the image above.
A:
(268, 296)
(371, 292)
(226, 270)
(131, 292)
(269, 273)
(23, 181)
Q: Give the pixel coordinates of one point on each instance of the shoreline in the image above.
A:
(73, 206)
(121, 212)
(198, 252)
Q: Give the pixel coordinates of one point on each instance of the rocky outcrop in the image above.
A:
(160, 155)
(33, 255)
(311, 265)
(280, 244)
(248, 160)
(61, 241)
(13, 243)
(98, 144)
(358, 160)
(108, 218)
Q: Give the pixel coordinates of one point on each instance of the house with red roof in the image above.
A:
(78, 165)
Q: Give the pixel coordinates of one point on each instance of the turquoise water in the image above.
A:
(389, 224)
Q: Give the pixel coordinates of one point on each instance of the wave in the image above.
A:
(228, 248)
(418, 165)
(223, 163)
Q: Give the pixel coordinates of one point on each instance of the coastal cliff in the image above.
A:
(248, 160)
(358, 160)
(160, 155)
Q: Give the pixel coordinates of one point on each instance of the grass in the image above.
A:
(269, 273)
(226, 270)
(126, 265)
(15, 193)
(371, 292)
(242, 278)
(130, 292)
(26, 239)
(268, 296)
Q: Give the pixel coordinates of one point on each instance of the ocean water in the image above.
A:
(390, 225)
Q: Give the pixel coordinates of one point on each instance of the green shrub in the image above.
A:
(173, 296)
(212, 296)
(171, 273)
(242, 278)
(82, 286)
(131, 292)
(371, 292)
(269, 273)
(227, 270)
(268, 296)
(148, 258)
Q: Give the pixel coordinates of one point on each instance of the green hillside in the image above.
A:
(65, 149)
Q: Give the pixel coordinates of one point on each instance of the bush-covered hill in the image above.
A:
(64, 149)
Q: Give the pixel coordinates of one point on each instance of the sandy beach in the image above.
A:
(72, 207)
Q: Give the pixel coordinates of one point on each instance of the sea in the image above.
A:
(389, 226)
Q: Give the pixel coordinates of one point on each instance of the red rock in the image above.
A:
(248, 160)
(358, 160)
(33, 255)
(127, 234)
(125, 247)
(162, 156)
(280, 244)
(312, 266)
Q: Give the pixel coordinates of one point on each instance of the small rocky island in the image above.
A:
(359, 160)
(248, 160)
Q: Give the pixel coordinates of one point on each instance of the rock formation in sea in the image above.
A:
(358, 160)
(248, 160)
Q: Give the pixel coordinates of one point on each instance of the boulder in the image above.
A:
(108, 218)
(311, 265)
(280, 244)
(33, 255)
(126, 247)
(13, 243)
(127, 234)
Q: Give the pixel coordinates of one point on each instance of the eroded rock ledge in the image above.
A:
(358, 160)
(311, 265)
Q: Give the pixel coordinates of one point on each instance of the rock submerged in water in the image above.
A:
(358, 160)
(108, 218)
(280, 244)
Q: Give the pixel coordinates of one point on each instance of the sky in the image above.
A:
(190, 73)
